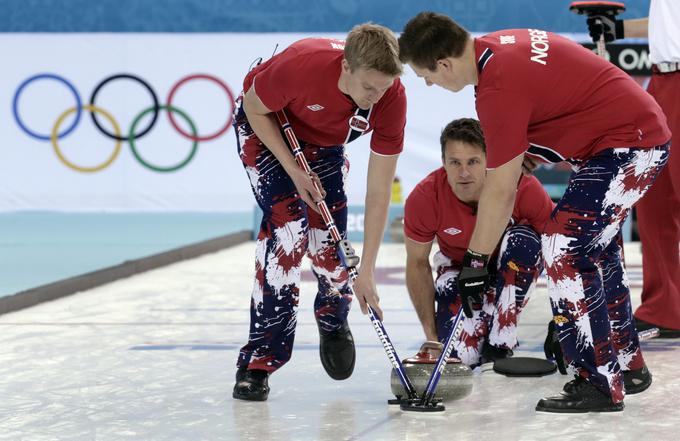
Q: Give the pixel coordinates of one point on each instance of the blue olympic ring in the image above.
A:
(46, 76)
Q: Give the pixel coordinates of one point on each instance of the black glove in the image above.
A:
(472, 281)
(613, 28)
(552, 349)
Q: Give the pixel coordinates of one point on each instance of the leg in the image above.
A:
(281, 244)
(617, 295)
(334, 296)
(468, 348)
(636, 376)
(659, 222)
(519, 265)
(584, 223)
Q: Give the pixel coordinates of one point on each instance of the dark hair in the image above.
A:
(465, 130)
(429, 37)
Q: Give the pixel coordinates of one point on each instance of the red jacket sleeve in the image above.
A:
(388, 134)
(504, 117)
(279, 83)
(420, 216)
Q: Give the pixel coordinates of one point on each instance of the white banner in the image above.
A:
(46, 76)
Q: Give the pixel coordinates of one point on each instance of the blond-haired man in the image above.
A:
(333, 91)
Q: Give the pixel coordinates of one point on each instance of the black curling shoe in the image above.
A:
(637, 380)
(336, 349)
(251, 385)
(642, 325)
(492, 353)
(579, 396)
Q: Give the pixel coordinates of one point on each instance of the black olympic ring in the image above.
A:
(147, 86)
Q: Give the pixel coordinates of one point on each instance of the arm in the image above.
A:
(636, 28)
(420, 285)
(267, 130)
(381, 171)
(614, 28)
(495, 206)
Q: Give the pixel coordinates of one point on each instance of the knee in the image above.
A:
(287, 212)
(289, 232)
(323, 253)
(446, 285)
(522, 245)
(556, 247)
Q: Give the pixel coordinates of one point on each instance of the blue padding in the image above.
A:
(283, 16)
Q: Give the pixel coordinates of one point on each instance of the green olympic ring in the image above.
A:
(133, 146)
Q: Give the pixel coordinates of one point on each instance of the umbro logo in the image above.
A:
(315, 107)
(452, 231)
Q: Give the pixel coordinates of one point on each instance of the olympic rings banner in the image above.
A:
(142, 122)
(133, 135)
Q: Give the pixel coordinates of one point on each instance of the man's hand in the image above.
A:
(472, 281)
(366, 293)
(430, 351)
(304, 183)
(607, 24)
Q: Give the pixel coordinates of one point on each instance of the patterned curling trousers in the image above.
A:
(587, 283)
(518, 266)
(289, 231)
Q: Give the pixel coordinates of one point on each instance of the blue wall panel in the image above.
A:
(281, 15)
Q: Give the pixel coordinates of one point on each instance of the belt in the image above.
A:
(666, 67)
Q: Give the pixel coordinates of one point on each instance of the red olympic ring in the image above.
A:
(200, 77)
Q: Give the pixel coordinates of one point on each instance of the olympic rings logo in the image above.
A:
(133, 134)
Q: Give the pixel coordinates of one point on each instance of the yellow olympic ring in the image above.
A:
(55, 134)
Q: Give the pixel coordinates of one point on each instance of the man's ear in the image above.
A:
(445, 63)
(345, 66)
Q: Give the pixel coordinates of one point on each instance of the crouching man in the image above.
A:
(444, 206)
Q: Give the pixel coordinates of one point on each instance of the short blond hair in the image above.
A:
(371, 46)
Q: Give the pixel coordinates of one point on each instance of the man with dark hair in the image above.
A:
(543, 95)
(444, 206)
(333, 91)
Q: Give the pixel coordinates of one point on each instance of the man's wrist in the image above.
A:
(432, 335)
(366, 268)
(474, 259)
